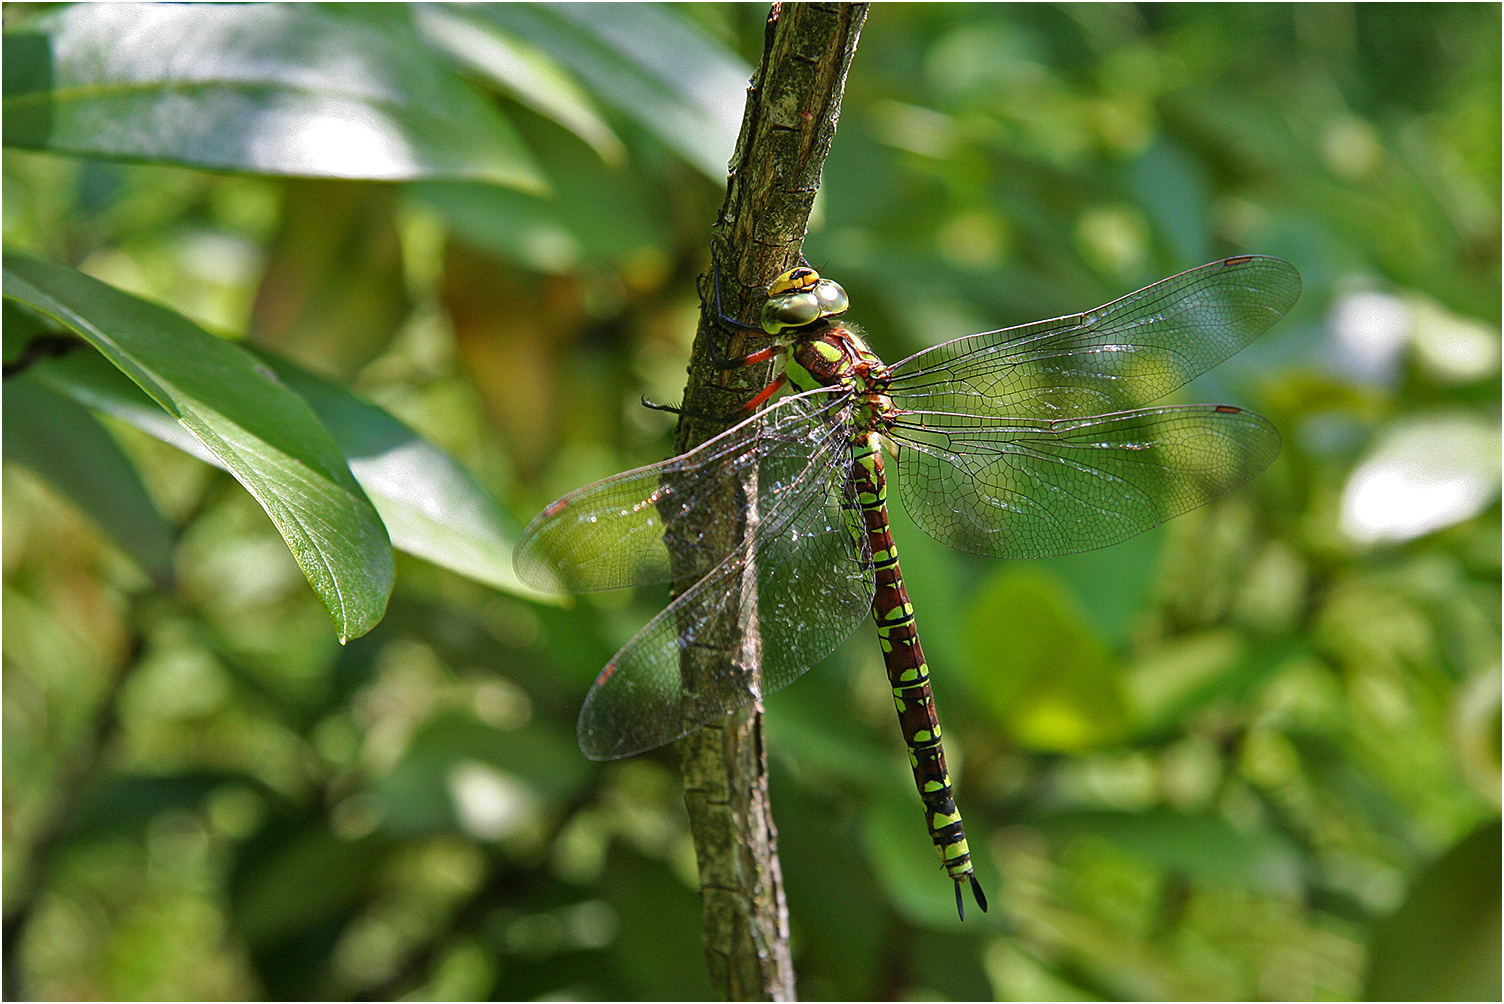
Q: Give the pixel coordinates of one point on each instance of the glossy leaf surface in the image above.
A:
(264, 88)
(260, 431)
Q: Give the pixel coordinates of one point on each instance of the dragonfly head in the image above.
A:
(799, 297)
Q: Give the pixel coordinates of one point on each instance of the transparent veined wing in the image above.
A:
(1029, 487)
(611, 534)
(1122, 355)
(797, 586)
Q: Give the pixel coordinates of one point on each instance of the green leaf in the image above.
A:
(1442, 944)
(91, 380)
(1182, 675)
(598, 215)
(332, 290)
(432, 507)
(459, 773)
(651, 64)
(292, 881)
(1203, 846)
(522, 70)
(263, 88)
(656, 954)
(1040, 667)
(257, 429)
(67, 446)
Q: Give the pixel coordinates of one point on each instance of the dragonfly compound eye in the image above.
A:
(832, 298)
(790, 310)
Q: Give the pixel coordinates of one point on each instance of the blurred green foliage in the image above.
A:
(1251, 755)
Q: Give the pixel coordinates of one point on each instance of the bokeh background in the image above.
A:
(1253, 754)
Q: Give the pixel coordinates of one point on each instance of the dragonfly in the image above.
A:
(1024, 442)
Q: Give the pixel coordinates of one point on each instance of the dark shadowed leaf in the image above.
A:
(1442, 944)
(67, 446)
(295, 879)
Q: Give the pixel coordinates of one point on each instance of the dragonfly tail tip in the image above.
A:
(976, 891)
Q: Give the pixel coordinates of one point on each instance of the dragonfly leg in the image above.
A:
(675, 409)
(750, 359)
(762, 396)
(736, 415)
(720, 312)
(724, 362)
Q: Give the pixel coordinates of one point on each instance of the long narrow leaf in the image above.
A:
(261, 432)
(432, 507)
(267, 88)
(648, 62)
(528, 74)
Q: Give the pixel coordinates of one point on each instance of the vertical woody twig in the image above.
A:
(792, 107)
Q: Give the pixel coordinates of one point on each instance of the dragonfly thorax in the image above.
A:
(830, 356)
(805, 309)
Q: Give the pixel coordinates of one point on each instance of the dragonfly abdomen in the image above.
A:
(909, 675)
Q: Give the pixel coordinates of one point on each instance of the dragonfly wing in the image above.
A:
(611, 534)
(1031, 488)
(723, 644)
(1121, 355)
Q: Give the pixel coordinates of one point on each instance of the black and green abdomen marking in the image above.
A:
(909, 675)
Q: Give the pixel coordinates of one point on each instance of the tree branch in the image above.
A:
(792, 107)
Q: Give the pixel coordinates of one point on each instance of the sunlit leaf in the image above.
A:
(649, 63)
(1425, 473)
(261, 432)
(531, 76)
(1038, 665)
(265, 88)
(431, 506)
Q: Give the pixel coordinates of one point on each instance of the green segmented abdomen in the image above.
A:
(908, 674)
